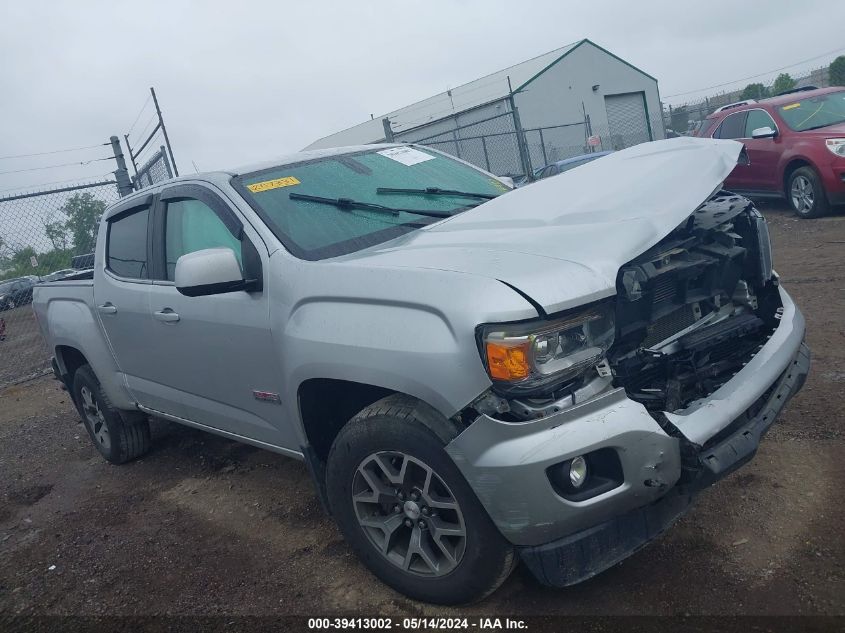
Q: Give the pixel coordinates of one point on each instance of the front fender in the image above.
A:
(406, 330)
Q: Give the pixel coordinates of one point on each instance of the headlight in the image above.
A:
(836, 145)
(526, 356)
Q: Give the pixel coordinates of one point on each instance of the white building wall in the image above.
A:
(550, 101)
(555, 97)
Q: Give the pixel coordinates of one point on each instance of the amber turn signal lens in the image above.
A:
(508, 361)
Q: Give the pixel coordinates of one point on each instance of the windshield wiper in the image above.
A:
(347, 204)
(436, 191)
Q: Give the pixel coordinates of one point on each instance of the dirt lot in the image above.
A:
(206, 526)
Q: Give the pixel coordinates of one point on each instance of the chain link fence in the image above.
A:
(494, 143)
(490, 143)
(550, 144)
(40, 235)
(156, 169)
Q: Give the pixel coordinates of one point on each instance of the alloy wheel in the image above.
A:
(803, 195)
(409, 514)
(94, 418)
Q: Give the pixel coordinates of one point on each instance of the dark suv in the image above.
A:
(15, 292)
(796, 147)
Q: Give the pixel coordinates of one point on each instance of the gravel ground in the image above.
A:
(205, 526)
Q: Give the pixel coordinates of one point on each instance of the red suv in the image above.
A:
(796, 147)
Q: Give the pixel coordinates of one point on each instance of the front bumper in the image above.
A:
(580, 556)
(833, 181)
(505, 463)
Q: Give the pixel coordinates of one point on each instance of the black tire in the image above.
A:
(812, 203)
(404, 425)
(118, 435)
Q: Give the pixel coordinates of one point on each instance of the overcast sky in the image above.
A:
(244, 81)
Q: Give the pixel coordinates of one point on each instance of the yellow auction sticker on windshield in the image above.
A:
(273, 184)
(792, 106)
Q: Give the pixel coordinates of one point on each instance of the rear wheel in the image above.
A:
(806, 194)
(118, 435)
(406, 509)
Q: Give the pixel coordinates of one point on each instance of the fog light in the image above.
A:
(577, 471)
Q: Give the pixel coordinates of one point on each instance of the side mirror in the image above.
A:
(507, 180)
(211, 271)
(764, 132)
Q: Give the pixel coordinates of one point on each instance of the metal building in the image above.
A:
(572, 100)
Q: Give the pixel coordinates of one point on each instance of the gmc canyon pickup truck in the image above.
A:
(474, 376)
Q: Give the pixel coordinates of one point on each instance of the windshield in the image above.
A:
(814, 112)
(313, 230)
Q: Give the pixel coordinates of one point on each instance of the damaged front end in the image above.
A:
(706, 350)
(693, 309)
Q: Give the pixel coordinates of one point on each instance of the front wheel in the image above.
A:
(806, 193)
(406, 509)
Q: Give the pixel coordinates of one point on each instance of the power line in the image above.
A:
(57, 151)
(146, 127)
(56, 182)
(84, 162)
(768, 72)
(140, 112)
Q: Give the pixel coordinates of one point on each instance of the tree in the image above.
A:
(783, 82)
(21, 259)
(754, 91)
(836, 70)
(83, 213)
(56, 232)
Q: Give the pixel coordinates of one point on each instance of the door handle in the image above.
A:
(107, 308)
(166, 315)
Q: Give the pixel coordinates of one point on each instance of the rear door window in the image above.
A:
(126, 249)
(732, 127)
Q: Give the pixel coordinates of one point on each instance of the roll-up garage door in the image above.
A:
(627, 120)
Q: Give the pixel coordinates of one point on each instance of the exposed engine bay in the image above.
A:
(693, 309)
(689, 314)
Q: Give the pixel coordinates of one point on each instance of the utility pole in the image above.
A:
(121, 174)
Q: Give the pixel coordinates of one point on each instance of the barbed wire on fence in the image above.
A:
(683, 116)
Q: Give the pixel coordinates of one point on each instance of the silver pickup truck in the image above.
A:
(474, 376)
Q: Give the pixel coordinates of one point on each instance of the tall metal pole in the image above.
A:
(388, 131)
(164, 131)
(121, 174)
(131, 155)
(525, 159)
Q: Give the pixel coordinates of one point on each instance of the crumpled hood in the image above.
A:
(562, 241)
